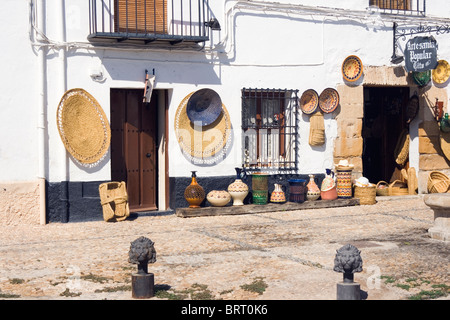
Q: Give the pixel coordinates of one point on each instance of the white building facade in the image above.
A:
(246, 52)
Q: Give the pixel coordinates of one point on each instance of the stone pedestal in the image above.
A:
(440, 203)
(143, 285)
(348, 291)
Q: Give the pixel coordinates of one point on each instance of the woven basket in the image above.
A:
(398, 188)
(114, 201)
(366, 195)
(438, 182)
(382, 191)
(401, 151)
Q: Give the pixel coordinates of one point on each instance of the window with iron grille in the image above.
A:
(269, 124)
(400, 6)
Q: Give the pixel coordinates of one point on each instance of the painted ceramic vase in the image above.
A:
(278, 195)
(218, 198)
(328, 189)
(194, 193)
(313, 192)
(238, 189)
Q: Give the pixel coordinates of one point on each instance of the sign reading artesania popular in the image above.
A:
(421, 54)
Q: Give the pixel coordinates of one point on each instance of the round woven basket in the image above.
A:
(366, 195)
(382, 191)
(398, 188)
(202, 142)
(83, 127)
(438, 182)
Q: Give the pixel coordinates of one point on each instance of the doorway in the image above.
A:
(134, 150)
(383, 122)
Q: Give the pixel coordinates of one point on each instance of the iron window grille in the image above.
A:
(148, 21)
(405, 7)
(269, 124)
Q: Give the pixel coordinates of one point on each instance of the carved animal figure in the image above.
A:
(348, 260)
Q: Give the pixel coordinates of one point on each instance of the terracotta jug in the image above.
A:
(194, 193)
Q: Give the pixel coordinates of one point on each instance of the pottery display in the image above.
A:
(218, 198)
(344, 179)
(260, 188)
(194, 193)
(297, 190)
(238, 189)
(278, 195)
(328, 189)
(313, 191)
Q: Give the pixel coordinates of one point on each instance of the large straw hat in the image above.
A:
(202, 143)
(83, 127)
(204, 107)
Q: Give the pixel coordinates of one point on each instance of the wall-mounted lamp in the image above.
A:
(213, 24)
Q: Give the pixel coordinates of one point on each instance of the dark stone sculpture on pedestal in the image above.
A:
(348, 261)
(142, 252)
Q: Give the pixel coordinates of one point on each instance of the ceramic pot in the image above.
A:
(297, 190)
(238, 189)
(194, 193)
(218, 198)
(278, 195)
(344, 184)
(330, 194)
(313, 192)
(260, 190)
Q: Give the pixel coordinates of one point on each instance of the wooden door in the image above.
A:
(133, 146)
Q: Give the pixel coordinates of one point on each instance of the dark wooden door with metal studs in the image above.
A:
(133, 146)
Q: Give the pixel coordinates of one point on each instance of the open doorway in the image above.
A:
(383, 123)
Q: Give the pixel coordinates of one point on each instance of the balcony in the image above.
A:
(400, 7)
(172, 23)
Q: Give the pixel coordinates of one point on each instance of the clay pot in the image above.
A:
(313, 192)
(278, 195)
(238, 189)
(218, 198)
(194, 193)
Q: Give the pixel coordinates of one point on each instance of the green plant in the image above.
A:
(258, 286)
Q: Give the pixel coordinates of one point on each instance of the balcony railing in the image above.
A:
(404, 7)
(148, 21)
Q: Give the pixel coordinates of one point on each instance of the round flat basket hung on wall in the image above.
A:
(328, 100)
(309, 101)
(83, 127)
(202, 144)
(352, 68)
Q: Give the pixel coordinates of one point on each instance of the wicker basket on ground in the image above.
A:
(382, 188)
(438, 182)
(398, 188)
(114, 201)
(366, 195)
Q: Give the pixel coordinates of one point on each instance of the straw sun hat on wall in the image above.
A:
(83, 127)
(202, 143)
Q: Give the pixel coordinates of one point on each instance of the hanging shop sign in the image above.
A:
(421, 54)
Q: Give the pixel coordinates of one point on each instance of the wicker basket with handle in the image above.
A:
(398, 188)
(382, 188)
(438, 182)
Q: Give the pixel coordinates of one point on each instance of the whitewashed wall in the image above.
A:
(254, 49)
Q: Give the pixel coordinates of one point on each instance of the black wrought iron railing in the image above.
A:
(406, 7)
(149, 20)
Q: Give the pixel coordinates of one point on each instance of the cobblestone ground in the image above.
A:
(270, 256)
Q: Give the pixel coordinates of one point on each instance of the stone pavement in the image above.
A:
(264, 256)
